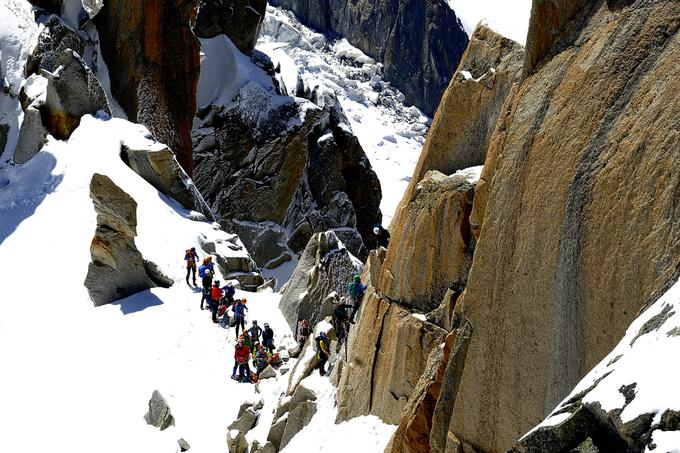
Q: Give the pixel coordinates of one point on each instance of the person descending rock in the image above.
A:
(206, 281)
(191, 257)
(268, 338)
(304, 331)
(340, 317)
(216, 299)
(356, 290)
(323, 347)
(241, 356)
(255, 332)
(382, 235)
(240, 315)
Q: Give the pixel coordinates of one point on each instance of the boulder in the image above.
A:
(326, 266)
(183, 445)
(55, 38)
(308, 359)
(92, 7)
(267, 373)
(159, 414)
(432, 246)
(387, 354)
(245, 421)
(240, 20)
(236, 442)
(297, 419)
(160, 168)
(72, 91)
(419, 41)
(32, 136)
(156, 56)
(118, 269)
(571, 248)
(276, 432)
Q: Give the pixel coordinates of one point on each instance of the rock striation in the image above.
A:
(156, 58)
(118, 269)
(419, 41)
(579, 228)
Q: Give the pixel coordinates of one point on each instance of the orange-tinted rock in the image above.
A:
(153, 58)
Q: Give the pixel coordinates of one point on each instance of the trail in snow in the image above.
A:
(391, 133)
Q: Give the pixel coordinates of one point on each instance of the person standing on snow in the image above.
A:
(268, 338)
(240, 315)
(356, 290)
(322, 352)
(255, 331)
(216, 295)
(207, 265)
(191, 258)
(206, 281)
(382, 236)
(241, 357)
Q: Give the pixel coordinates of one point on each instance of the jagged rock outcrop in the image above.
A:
(388, 352)
(326, 266)
(618, 407)
(118, 269)
(468, 112)
(240, 20)
(54, 39)
(72, 91)
(32, 136)
(156, 59)
(419, 41)
(432, 247)
(257, 164)
(160, 168)
(597, 110)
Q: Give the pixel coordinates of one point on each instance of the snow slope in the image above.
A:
(509, 18)
(391, 133)
(85, 374)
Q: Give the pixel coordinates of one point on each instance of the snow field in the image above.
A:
(509, 18)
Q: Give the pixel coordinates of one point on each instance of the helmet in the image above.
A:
(357, 279)
(193, 249)
(244, 300)
(217, 283)
(209, 258)
(254, 321)
(207, 272)
(376, 230)
(266, 325)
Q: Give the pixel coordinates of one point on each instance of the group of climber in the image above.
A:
(248, 346)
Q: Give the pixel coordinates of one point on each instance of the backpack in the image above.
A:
(353, 289)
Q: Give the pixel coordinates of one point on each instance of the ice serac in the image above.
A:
(117, 269)
(580, 227)
(240, 20)
(154, 60)
(419, 41)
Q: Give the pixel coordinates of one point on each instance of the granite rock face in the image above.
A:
(156, 58)
(419, 41)
(586, 151)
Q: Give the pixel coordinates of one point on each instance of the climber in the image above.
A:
(268, 338)
(356, 290)
(260, 359)
(240, 315)
(382, 236)
(304, 331)
(322, 352)
(255, 331)
(207, 265)
(229, 292)
(340, 317)
(241, 356)
(207, 285)
(191, 257)
(223, 313)
(216, 296)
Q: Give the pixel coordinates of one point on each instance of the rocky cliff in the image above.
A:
(240, 20)
(419, 41)
(580, 227)
(154, 60)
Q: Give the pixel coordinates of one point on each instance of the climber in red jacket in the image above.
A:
(217, 295)
(241, 356)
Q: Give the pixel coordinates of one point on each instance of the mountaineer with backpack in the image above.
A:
(216, 298)
(255, 331)
(241, 357)
(382, 236)
(240, 315)
(356, 290)
(304, 331)
(191, 257)
(323, 347)
(206, 281)
(268, 338)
